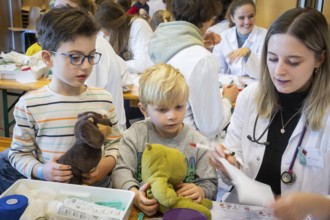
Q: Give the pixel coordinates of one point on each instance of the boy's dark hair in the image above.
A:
(64, 24)
(223, 15)
(195, 11)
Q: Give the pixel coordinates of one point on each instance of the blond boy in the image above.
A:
(163, 96)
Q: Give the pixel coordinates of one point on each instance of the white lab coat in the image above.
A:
(206, 110)
(155, 5)
(243, 66)
(138, 43)
(107, 74)
(250, 155)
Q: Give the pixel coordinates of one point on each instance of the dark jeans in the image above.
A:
(8, 174)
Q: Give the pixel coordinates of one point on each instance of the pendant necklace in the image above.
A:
(283, 125)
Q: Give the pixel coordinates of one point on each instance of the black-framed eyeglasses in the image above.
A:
(77, 59)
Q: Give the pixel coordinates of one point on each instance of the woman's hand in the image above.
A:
(211, 39)
(219, 152)
(230, 92)
(237, 54)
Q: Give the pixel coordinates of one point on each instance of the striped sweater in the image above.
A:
(45, 125)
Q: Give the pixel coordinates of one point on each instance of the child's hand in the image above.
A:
(298, 205)
(148, 206)
(144, 14)
(53, 171)
(102, 170)
(190, 190)
(92, 177)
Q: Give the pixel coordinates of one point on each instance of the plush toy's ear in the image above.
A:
(90, 114)
(89, 133)
(104, 129)
(148, 146)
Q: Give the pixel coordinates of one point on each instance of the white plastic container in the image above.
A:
(60, 191)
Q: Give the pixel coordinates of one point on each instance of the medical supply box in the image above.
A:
(77, 198)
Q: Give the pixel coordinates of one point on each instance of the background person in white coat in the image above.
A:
(240, 49)
(287, 109)
(207, 111)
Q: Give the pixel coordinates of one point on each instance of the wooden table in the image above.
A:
(132, 95)
(223, 210)
(5, 85)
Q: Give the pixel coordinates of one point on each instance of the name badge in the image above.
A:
(314, 157)
(302, 155)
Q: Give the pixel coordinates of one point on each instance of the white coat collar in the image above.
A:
(251, 39)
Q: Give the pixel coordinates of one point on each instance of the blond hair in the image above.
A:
(162, 85)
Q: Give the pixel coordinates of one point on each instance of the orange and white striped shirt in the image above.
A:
(45, 125)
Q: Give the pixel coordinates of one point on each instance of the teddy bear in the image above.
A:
(164, 167)
(90, 131)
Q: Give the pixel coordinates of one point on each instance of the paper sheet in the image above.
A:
(229, 211)
(249, 191)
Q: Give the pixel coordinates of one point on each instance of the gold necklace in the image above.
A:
(283, 125)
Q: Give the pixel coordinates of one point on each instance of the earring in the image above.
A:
(316, 70)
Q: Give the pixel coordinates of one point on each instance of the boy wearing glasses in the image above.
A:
(45, 118)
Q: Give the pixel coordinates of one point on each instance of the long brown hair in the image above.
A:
(311, 28)
(113, 18)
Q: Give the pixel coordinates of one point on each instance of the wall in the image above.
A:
(326, 10)
(269, 10)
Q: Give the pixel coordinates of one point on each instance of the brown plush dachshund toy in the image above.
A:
(90, 131)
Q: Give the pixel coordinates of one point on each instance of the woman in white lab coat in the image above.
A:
(288, 108)
(240, 49)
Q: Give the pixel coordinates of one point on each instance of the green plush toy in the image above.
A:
(164, 167)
